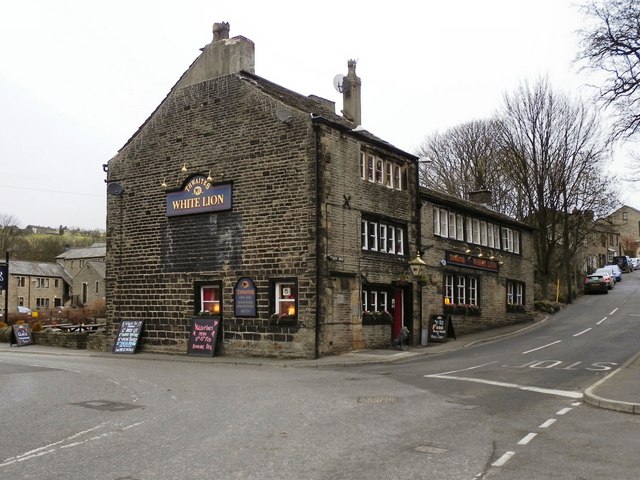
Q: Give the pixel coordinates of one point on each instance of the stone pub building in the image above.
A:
(241, 200)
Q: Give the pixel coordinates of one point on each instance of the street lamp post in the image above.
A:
(418, 268)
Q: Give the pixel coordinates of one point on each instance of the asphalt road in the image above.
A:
(507, 409)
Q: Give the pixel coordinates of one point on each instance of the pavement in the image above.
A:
(619, 390)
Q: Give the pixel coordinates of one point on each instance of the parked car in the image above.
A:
(617, 272)
(622, 262)
(635, 263)
(597, 283)
(608, 274)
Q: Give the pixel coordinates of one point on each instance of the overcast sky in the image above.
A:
(78, 77)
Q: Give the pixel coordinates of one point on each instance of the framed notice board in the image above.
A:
(128, 336)
(441, 328)
(202, 337)
(21, 335)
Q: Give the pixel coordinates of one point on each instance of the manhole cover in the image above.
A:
(377, 399)
(430, 449)
(107, 406)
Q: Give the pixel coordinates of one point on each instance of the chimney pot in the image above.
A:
(220, 31)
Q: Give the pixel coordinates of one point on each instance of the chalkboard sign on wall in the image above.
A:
(440, 328)
(128, 336)
(202, 338)
(21, 335)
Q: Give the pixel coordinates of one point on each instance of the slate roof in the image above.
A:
(99, 267)
(38, 269)
(97, 250)
(317, 110)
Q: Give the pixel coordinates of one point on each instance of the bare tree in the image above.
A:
(612, 46)
(554, 151)
(465, 158)
(8, 232)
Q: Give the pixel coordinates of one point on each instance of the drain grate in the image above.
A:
(430, 449)
(107, 405)
(378, 399)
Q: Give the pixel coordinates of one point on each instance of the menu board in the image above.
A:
(202, 338)
(21, 335)
(128, 336)
(440, 328)
(244, 298)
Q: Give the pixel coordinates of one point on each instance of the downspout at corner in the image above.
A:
(316, 132)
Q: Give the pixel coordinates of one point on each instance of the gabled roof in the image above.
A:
(317, 111)
(97, 250)
(456, 202)
(624, 207)
(99, 267)
(38, 269)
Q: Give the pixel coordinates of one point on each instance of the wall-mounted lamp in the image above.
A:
(480, 254)
(184, 167)
(491, 255)
(417, 266)
(209, 177)
(500, 259)
(466, 248)
(164, 182)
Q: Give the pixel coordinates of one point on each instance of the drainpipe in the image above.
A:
(316, 128)
(419, 244)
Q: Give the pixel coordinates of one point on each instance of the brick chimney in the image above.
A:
(482, 196)
(351, 104)
(222, 56)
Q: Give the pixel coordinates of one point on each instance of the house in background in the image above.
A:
(36, 285)
(626, 221)
(86, 267)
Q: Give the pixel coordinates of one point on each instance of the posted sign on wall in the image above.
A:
(199, 196)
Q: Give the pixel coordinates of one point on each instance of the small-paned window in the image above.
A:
(21, 281)
(388, 175)
(370, 168)
(285, 297)
(375, 300)
(515, 293)
(383, 237)
(363, 166)
(211, 299)
(460, 290)
(379, 171)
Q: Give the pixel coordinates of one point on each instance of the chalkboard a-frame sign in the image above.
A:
(440, 328)
(202, 338)
(128, 336)
(21, 335)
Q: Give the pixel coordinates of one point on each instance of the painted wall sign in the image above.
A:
(199, 196)
(244, 297)
(471, 261)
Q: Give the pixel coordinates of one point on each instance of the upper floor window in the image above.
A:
(381, 236)
(42, 282)
(21, 281)
(383, 172)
